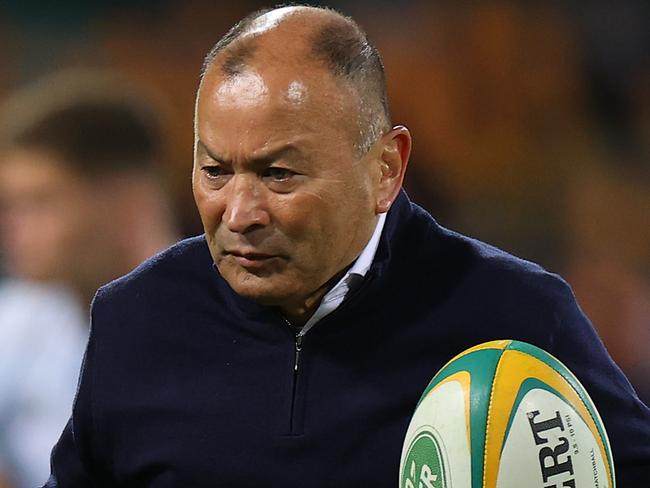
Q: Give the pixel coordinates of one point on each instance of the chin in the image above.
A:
(263, 290)
(263, 296)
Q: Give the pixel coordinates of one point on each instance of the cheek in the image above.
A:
(210, 207)
(307, 221)
(64, 221)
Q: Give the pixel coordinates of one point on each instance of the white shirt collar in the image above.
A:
(333, 298)
(367, 256)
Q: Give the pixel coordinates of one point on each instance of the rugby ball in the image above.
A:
(505, 414)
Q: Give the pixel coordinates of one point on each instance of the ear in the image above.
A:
(395, 149)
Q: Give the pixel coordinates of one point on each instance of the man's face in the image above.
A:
(285, 201)
(47, 218)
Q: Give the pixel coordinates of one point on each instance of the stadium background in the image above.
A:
(531, 120)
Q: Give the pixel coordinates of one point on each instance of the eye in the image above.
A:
(213, 171)
(275, 174)
(215, 175)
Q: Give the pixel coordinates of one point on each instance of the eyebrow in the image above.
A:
(216, 157)
(262, 159)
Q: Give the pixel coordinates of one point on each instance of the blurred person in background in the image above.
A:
(81, 202)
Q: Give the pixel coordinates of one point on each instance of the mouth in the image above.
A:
(250, 259)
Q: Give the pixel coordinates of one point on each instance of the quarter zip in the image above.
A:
(295, 404)
(298, 348)
(297, 388)
(294, 428)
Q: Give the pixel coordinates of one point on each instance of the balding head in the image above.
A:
(300, 36)
(294, 157)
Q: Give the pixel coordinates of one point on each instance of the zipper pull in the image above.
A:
(298, 349)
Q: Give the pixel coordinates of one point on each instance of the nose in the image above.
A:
(246, 208)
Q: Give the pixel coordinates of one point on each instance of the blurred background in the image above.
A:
(531, 121)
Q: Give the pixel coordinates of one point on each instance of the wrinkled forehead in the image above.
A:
(301, 96)
(291, 88)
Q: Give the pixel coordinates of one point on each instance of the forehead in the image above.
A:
(31, 161)
(274, 101)
(30, 174)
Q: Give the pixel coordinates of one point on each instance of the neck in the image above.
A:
(299, 312)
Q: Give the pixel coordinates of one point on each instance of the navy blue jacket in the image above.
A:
(186, 384)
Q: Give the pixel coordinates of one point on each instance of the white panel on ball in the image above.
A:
(442, 414)
(570, 448)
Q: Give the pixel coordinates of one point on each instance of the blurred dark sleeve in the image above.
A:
(626, 417)
(74, 461)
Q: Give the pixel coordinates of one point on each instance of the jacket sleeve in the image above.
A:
(626, 418)
(67, 468)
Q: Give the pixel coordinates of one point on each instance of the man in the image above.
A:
(80, 204)
(81, 198)
(288, 346)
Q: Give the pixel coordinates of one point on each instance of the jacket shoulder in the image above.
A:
(184, 261)
(516, 275)
(469, 265)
